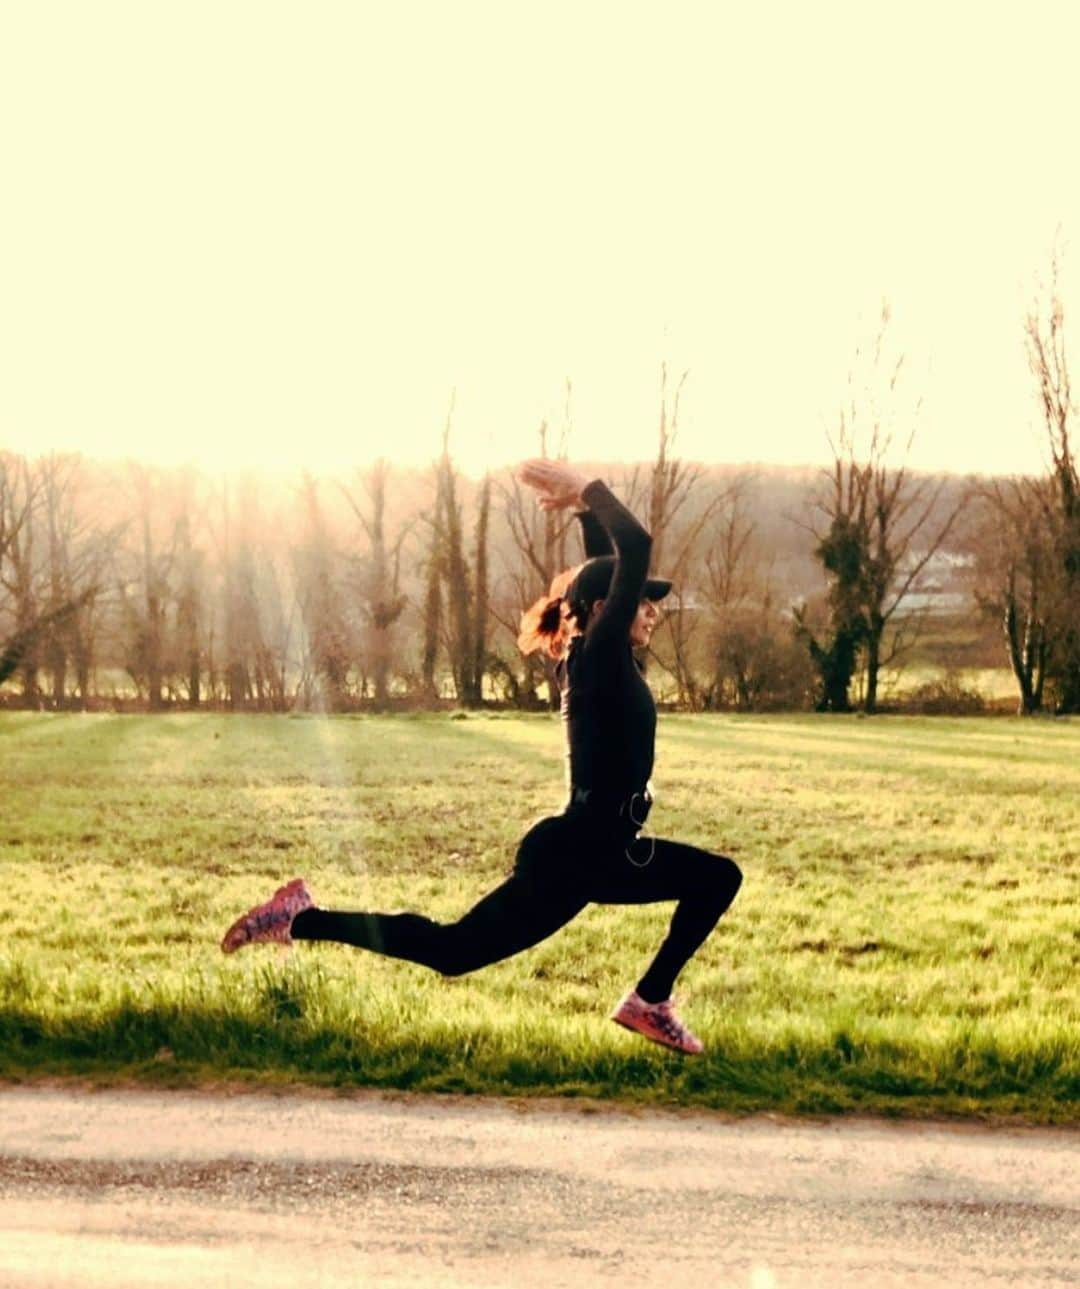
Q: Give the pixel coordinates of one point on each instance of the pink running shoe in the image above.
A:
(270, 922)
(656, 1021)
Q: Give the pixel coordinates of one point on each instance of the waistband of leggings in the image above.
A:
(631, 811)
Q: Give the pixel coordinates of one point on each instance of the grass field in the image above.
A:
(906, 940)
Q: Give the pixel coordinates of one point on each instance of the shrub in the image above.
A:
(946, 696)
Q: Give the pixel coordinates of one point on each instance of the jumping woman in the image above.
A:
(592, 620)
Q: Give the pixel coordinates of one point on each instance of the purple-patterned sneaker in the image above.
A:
(656, 1021)
(270, 922)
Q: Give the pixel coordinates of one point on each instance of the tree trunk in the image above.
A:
(432, 616)
(480, 602)
(194, 680)
(461, 643)
(83, 670)
(1017, 660)
(873, 664)
(57, 664)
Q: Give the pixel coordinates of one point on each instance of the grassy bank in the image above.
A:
(905, 942)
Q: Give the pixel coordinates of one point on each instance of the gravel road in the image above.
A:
(140, 1189)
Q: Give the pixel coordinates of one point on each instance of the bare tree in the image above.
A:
(16, 647)
(379, 577)
(319, 583)
(672, 479)
(433, 606)
(682, 524)
(481, 598)
(189, 609)
(56, 482)
(146, 589)
(77, 554)
(187, 656)
(262, 606)
(907, 529)
(1045, 334)
(20, 499)
(1027, 545)
(540, 551)
(1014, 574)
(882, 527)
(87, 546)
(459, 618)
(447, 622)
(747, 640)
(245, 673)
(53, 558)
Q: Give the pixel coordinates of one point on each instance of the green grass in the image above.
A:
(905, 942)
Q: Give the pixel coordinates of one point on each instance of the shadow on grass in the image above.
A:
(177, 1045)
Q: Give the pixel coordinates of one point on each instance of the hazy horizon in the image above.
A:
(348, 471)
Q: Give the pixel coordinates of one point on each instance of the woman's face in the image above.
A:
(644, 623)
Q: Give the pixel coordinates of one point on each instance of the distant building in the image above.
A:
(941, 586)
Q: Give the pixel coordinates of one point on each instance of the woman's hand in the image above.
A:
(557, 484)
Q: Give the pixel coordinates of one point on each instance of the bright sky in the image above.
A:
(281, 234)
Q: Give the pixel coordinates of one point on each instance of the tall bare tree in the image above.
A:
(882, 526)
(481, 595)
(433, 606)
(245, 669)
(1027, 545)
(258, 603)
(754, 661)
(684, 509)
(80, 549)
(672, 479)
(319, 582)
(1014, 570)
(459, 617)
(447, 623)
(379, 576)
(146, 589)
(190, 598)
(20, 501)
(16, 646)
(540, 550)
(1045, 334)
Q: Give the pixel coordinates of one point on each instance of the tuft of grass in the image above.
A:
(904, 943)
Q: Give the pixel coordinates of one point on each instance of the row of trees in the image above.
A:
(880, 527)
(398, 586)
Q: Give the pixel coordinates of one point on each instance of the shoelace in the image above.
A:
(665, 1020)
(270, 918)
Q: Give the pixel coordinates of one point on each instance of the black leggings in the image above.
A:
(562, 864)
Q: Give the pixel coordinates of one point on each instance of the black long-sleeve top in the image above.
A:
(607, 707)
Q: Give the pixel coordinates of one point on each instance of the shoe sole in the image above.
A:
(653, 1038)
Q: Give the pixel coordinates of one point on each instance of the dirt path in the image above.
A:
(147, 1189)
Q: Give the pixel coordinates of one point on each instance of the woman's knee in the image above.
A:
(723, 878)
(450, 954)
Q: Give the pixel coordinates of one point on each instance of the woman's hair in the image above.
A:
(546, 624)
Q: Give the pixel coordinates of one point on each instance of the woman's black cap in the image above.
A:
(594, 580)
